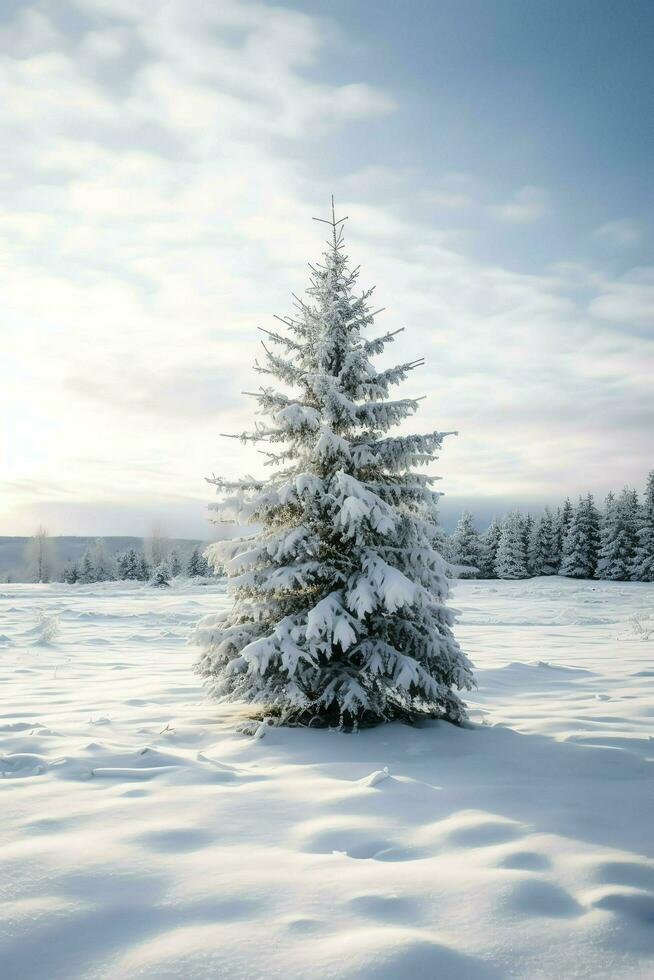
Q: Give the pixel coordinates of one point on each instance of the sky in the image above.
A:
(160, 164)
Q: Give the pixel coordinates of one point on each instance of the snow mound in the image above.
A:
(375, 777)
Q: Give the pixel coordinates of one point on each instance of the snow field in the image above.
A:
(144, 837)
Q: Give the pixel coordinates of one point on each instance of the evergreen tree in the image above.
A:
(556, 520)
(132, 569)
(489, 543)
(121, 559)
(439, 535)
(607, 535)
(174, 563)
(527, 528)
(127, 565)
(511, 560)
(632, 511)
(642, 569)
(103, 564)
(71, 573)
(542, 554)
(534, 561)
(549, 544)
(565, 515)
(198, 566)
(465, 549)
(161, 575)
(144, 570)
(192, 564)
(87, 569)
(581, 545)
(339, 614)
(618, 537)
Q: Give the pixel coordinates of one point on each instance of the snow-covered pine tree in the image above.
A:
(464, 547)
(581, 544)
(132, 565)
(527, 527)
(440, 537)
(445, 551)
(534, 560)
(556, 520)
(630, 506)
(642, 569)
(564, 515)
(198, 566)
(127, 565)
(618, 537)
(542, 554)
(549, 543)
(608, 530)
(339, 614)
(511, 559)
(121, 566)
(144, 570)
(489, 543)
(192, 564)
(161, 574)
(87, 569)
(174, 563)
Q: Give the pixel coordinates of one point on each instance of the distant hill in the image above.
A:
(13, 551)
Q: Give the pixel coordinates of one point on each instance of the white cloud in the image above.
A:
(628, 300)
(528, 204)
(620, 233)
(451, 202)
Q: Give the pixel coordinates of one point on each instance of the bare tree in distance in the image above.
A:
(41, 556)
(156, 547)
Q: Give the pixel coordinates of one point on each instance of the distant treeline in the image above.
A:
(96, 566)
(156, 560)
(614, 543)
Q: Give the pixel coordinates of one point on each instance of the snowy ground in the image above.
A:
(142, 837)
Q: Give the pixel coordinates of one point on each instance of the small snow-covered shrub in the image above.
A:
(46, 627)
(642, 624)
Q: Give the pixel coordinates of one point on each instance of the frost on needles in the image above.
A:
(339, 612)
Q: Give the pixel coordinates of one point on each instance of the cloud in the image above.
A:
(180, 392)
(451, 202)
(628, 301)
(622, 234)
(528, 204)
